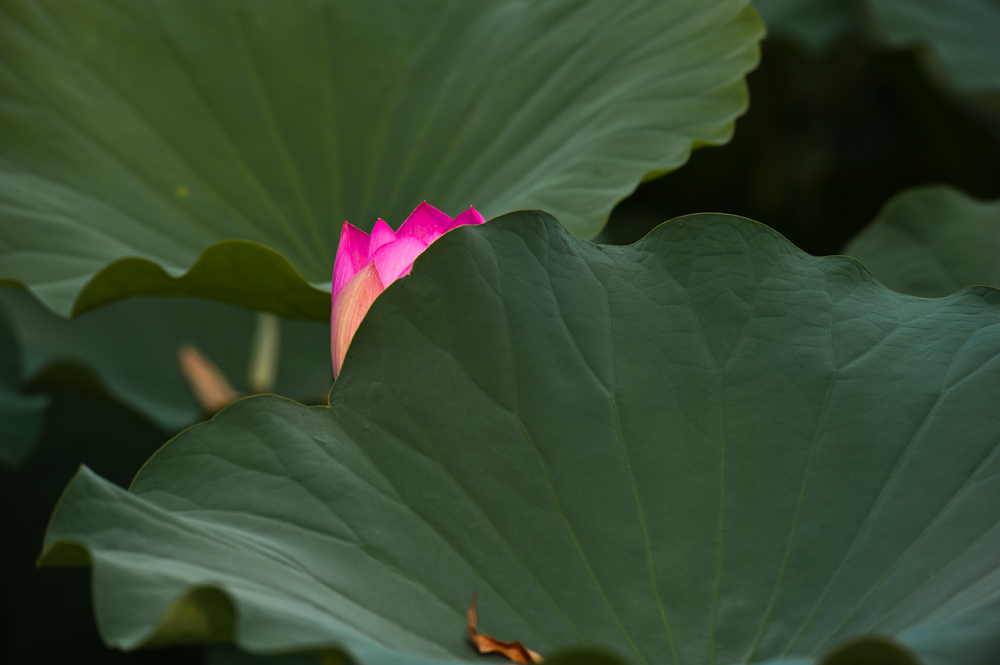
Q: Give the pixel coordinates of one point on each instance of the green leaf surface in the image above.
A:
(129, 349)
(961, 35)
(142, 138)
(932, 241)
(958, 38)
(816, 24)
(707, 447)
(583, 657)
(20, 413)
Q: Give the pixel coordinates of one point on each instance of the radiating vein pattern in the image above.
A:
(705, 448)
(201, 122)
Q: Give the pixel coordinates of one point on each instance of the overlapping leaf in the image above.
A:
(131, 349)
(813, 23)
(961, 36)
(20, 413)
(707, 447)
(958, 38)
(214, 148)
(931, 242)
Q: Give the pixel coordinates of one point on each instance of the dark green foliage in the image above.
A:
(128, 351)
(829, 138)
(707, 447)
(932, 242)
(214, 149)
(20, 413)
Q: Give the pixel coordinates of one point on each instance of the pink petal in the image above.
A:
(395, 258)
(381, 234)
(406, 270)
(470, 216)
(349, 307)
(352, 255)
(365, 265)
(424, 222)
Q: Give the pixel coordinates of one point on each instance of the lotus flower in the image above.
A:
(367, 264)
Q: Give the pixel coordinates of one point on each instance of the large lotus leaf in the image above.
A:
(131, 349)
(931, 242)
(707, 447)
(962, 36)
(143, 138)
(20, 413)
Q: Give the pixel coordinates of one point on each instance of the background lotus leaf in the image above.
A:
(931, 242)
(815, 24)
(707, 447)
(961, 35)
(958, 38)
(143, 138)
(129, 350)
(20, 413)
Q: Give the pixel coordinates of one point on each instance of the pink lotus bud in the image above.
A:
(367, 264)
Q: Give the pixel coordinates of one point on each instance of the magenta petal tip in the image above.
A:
(366, 264)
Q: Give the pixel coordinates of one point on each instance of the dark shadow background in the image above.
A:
(828, 139)
(46, 615)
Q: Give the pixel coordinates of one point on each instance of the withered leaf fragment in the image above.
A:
(514, 651)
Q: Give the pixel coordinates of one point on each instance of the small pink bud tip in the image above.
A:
(367, 264)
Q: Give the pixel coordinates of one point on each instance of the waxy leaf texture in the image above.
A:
(707, 447)
(213, 148)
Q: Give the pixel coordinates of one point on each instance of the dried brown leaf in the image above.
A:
(514, 651)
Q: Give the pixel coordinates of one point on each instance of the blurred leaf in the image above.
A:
(705, 447)
(931, 242)
(230, 140)
(815, 24)
(963, 36)
(20, 414)
(959, 38)
(129, 349)
(825, 144)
